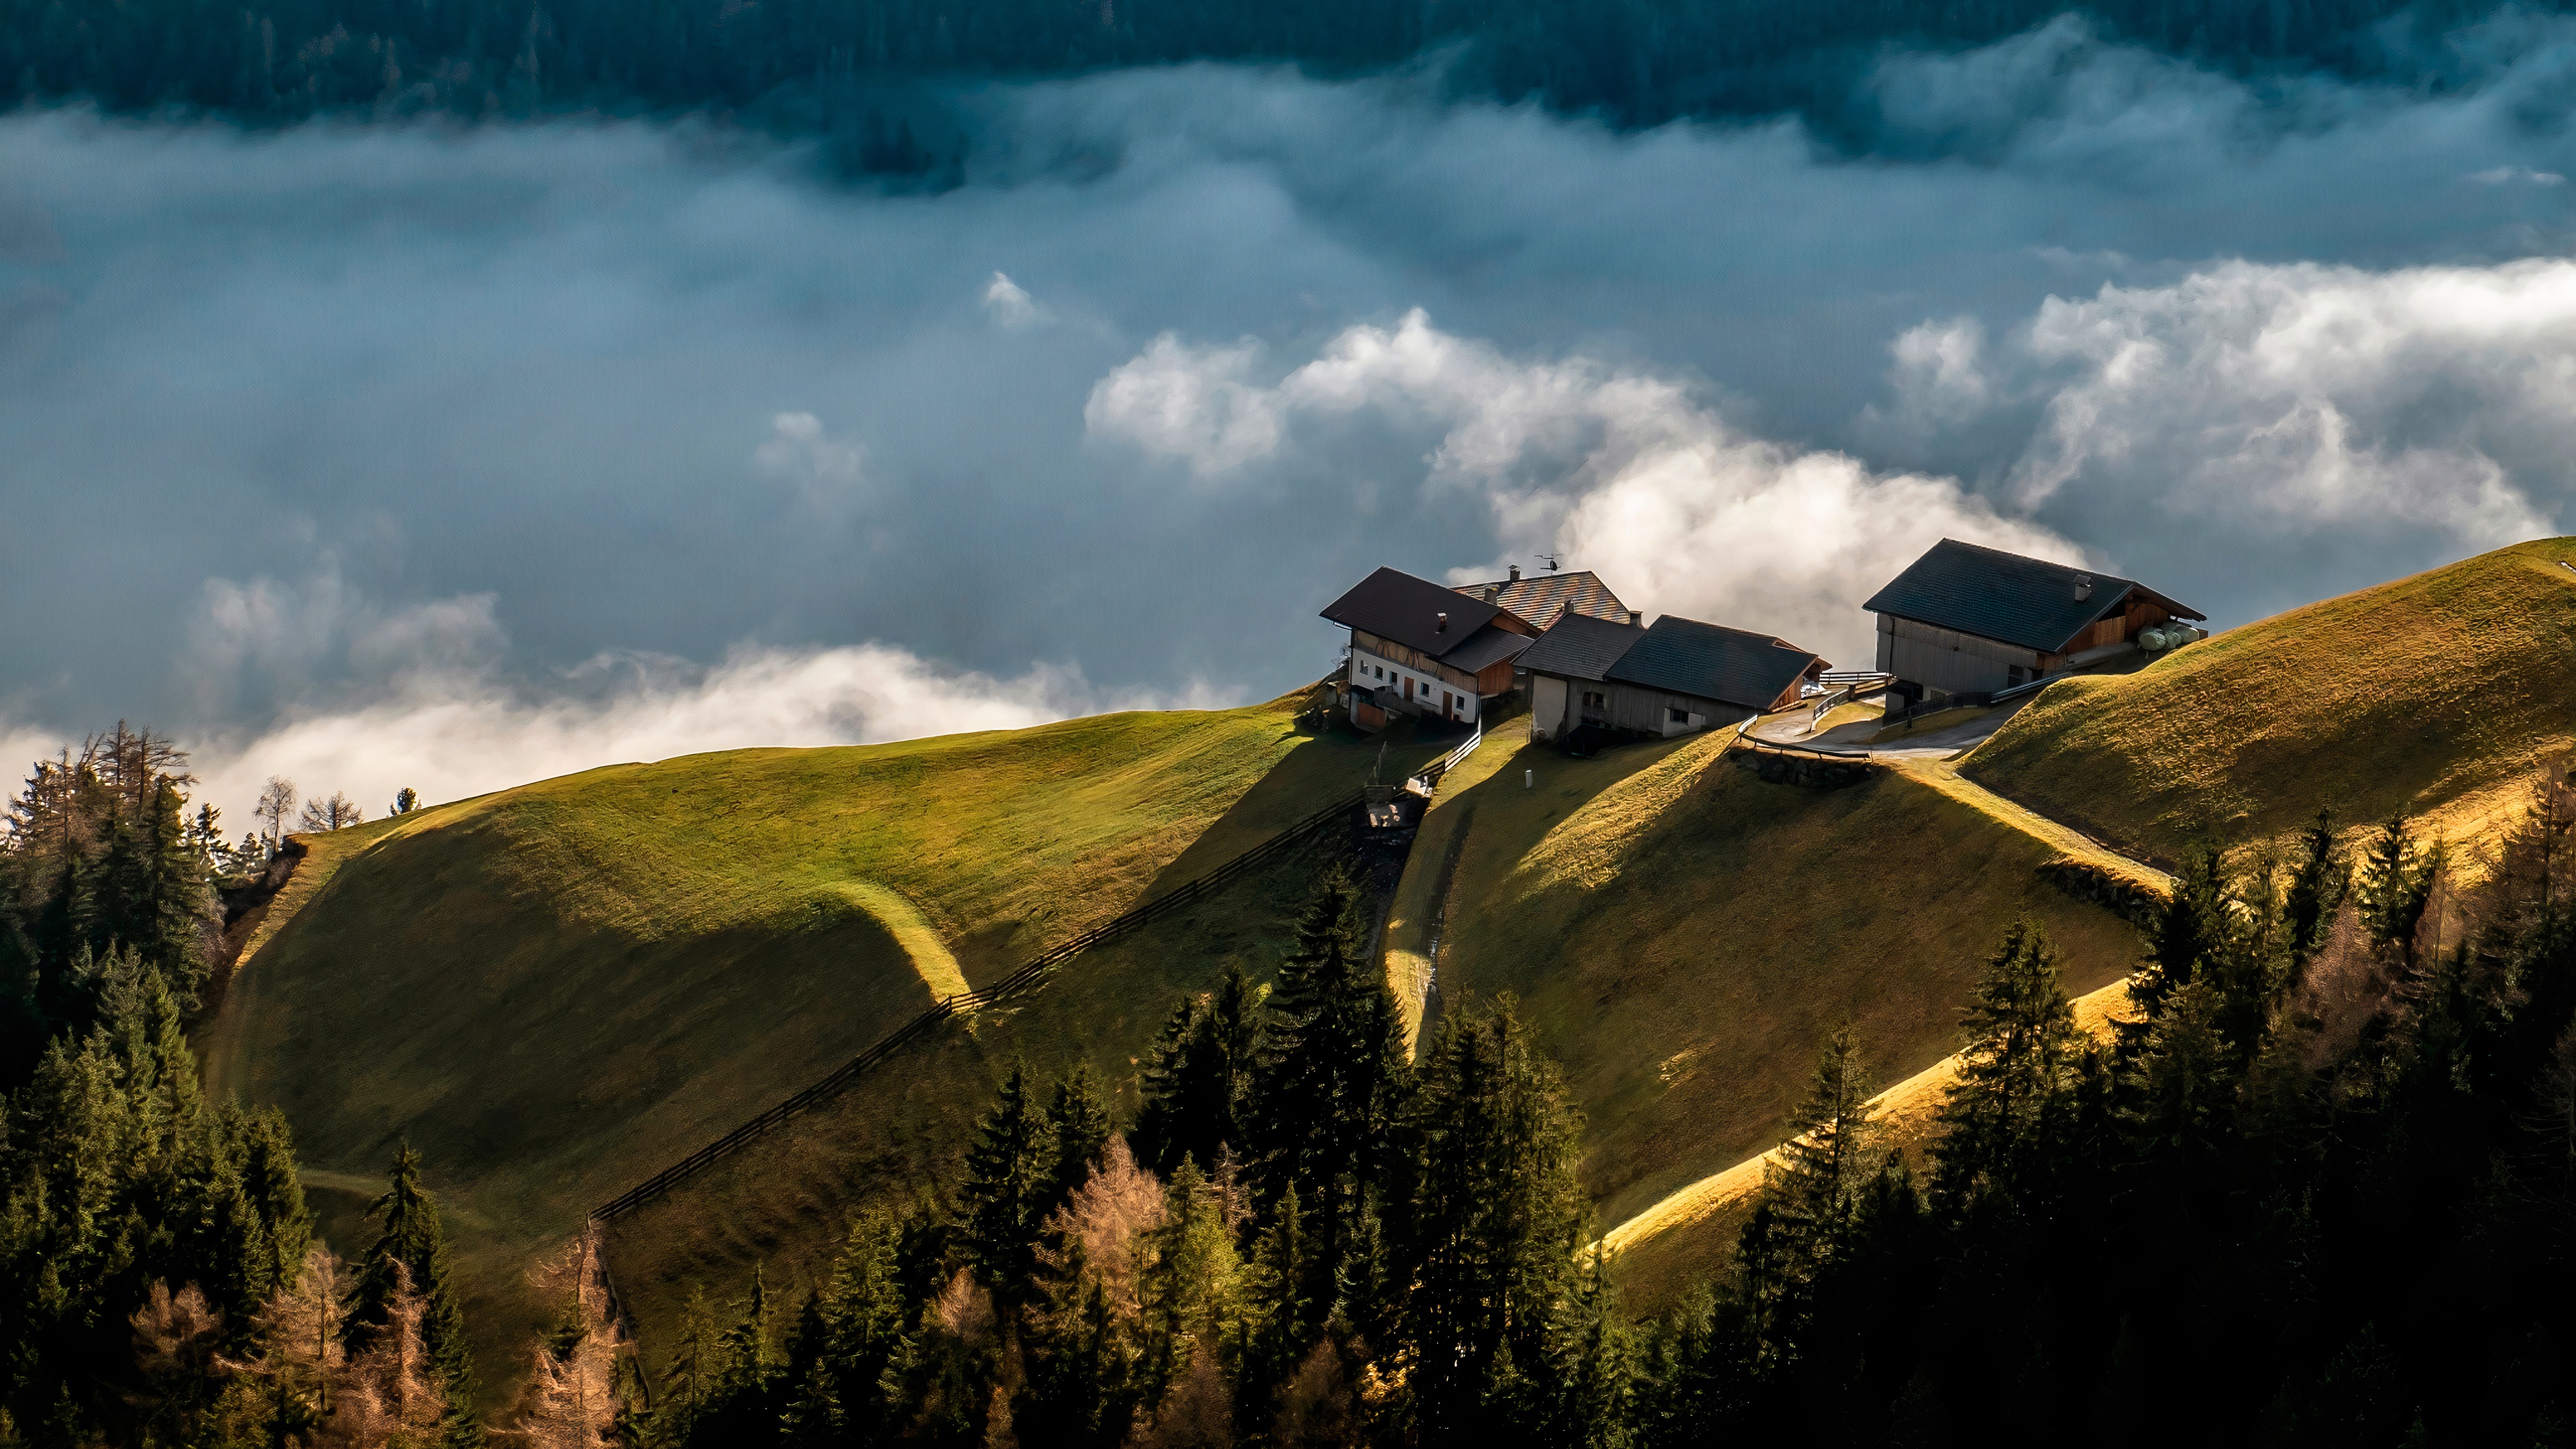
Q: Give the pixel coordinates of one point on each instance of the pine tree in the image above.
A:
(2396, 886)
(696, 1368)
(2020, 1058)
(2318, 879)
(1333, 1068)
(846, 1396)
(2188, 929)
(1081, 1125)
(1007, 1172)
(1493, 1218)
(410, 1236)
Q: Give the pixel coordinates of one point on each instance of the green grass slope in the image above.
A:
(1683, 933)
(782, 1201)
(555, 990)
(2438, 695)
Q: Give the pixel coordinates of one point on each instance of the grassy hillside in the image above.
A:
(782, 1201)
(1677, 1239)
(2437, 695)
(1683, 933)
(554, 990)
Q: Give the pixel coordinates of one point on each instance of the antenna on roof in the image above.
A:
(1548, 559)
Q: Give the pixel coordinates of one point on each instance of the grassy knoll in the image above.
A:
(2438, 694)
(555, 990)
(1663, 1248)
(782, 1201)
(1682, 934)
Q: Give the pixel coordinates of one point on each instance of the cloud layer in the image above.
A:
(1188, 351)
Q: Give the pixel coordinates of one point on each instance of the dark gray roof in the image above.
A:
(1730, 666)
(1579, 646)
(1400, 607)
(2006, 597)
(1486, 646)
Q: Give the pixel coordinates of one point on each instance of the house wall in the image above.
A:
(1551, 707)
(1415, 662)
(1388, 679)
(1945, 661)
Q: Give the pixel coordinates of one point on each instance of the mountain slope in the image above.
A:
(1683, 933)
(555, 990)
(2438, 695)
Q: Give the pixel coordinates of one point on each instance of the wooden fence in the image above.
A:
(1025, 980)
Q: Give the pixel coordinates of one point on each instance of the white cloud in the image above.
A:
(1010, 305)
(1615, 470)
(830, 472)
(2294, 401)
(451, 736)
(1187, 402)
(2507, 175)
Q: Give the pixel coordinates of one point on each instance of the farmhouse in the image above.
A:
(1968, 620)
(1676, 676)
(1425, 649)
(1544, 598)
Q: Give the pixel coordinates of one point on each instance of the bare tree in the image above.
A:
(275, 799)
(571, 1399)
(337, 813)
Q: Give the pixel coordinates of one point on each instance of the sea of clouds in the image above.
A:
(384, 456)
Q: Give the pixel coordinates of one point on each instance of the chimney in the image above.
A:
(1443, 626)
(1516, 573)
(2083, 587)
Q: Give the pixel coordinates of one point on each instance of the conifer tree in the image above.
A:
(865, 1343)
(1493, 1217)
(2318, 879)
(2188, 929)
(1333, 1067)
(2021, 1056)
(2396, 886)
(409, 1236)
(695, 1370)
(1080, 1122)
(1007, 1173)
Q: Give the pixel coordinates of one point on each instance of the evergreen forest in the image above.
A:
(2317, 1186)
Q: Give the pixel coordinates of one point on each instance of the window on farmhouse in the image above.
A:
(1592, 699)
(2016, 675)
(1678, 716)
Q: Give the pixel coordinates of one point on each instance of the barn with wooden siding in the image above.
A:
(1968, 620)
(1424, 649)
(1673, 677)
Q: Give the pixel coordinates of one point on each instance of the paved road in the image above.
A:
(1853, 739)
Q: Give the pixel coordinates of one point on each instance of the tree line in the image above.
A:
(100, 854)
(2315, 1184)
(821, 66)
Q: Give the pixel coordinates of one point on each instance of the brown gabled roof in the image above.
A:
(1396, 605)
(1543, 598)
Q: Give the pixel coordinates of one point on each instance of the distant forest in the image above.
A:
(811, 66)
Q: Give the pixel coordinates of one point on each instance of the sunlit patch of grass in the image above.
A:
(1682, 933)
(2443, 691)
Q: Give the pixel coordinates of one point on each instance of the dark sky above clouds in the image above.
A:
(457, 457)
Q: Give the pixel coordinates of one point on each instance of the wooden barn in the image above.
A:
(1968, 620)
(1670, 678)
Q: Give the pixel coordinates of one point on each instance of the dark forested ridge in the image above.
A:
(809, 65)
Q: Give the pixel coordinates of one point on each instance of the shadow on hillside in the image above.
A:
(1314, 774)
